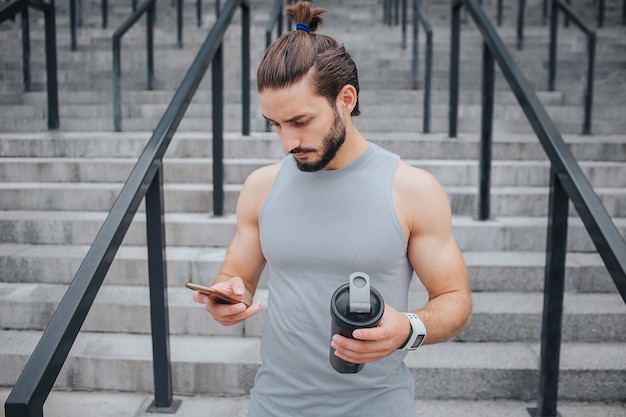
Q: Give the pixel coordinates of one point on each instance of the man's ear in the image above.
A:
(347, 98)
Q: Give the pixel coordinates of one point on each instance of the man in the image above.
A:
(337, 204)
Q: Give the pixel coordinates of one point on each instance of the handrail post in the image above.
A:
(104, 10)
(179, 23)
(601, 14)
(521, 12)
(558, 5)
(591, 50)
(157, 276)
(26, 49)
(486, 134)
(415, 57)
(556, 251)
(117, 75)
(150, 18)
(420, 17)
(427, 79)
(199, 13)
(245, 69)
(217, 77)
(404, 23)
(554, 27)
(52, 86)
(73, 25)
(455, 41)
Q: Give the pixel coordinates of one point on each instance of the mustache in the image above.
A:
(301, 150)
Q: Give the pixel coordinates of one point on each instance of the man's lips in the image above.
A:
(301, 153)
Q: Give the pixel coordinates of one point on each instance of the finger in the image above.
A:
(237, 286)
(199, 298)
(230, 314)
(359, 351)
(370, 334)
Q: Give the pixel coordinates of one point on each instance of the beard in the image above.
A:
(331, 143)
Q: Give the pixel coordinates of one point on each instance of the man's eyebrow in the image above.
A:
(290, 120)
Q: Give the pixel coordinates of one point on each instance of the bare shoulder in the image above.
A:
(411, 178)
(255, 189)
(419, 198)
(263, 177)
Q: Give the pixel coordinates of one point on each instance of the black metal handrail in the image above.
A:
(8, 11)
(567, 183)
(146, 180)
(146, 7)
(591, 56)
(600, 17)
(419, 17)
(179, 17)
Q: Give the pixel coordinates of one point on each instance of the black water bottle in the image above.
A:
(355, 305)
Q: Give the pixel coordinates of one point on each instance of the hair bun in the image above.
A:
(301, 12)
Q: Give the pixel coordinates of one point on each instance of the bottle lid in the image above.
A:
(359, 293)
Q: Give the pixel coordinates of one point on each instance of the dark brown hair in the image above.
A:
(298, 53)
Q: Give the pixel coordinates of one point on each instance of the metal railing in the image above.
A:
(391, 9)
(419, 17)
(179, 17)
(148, 7)
(600, 17)
(567, 183)
(591, 56)
(8, 11)
(146, 180)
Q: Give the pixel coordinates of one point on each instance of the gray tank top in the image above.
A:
(316, 229)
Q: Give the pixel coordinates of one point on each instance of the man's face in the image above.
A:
(308, 126)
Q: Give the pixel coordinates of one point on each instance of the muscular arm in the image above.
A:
(434, 254)
(424, 212)
(244, 261)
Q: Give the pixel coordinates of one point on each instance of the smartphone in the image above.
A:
(216, 295)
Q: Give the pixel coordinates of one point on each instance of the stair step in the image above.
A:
(124, 404)
(198, 198)
(496, 317)
(236, 170)
(410, 145)
(204, 230)
(226, 366)
(489, 271)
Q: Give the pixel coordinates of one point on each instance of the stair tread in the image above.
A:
(192, 252)
(230, 218)
(123, 404)
(240, 351)
(180, 297)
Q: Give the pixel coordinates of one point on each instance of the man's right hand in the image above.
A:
(229, 314)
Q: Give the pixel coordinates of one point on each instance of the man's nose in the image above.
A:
(289, 139)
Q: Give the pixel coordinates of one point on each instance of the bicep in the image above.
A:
(432, 248)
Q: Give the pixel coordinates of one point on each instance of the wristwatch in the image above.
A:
(417, 335)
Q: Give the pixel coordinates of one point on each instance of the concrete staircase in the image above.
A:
(57, 187)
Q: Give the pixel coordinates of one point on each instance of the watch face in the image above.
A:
(418, 341)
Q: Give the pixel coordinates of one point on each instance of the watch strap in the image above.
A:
(417, 335)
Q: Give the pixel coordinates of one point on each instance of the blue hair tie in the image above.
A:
(304, 27)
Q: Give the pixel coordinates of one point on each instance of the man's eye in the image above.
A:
(300, 123)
